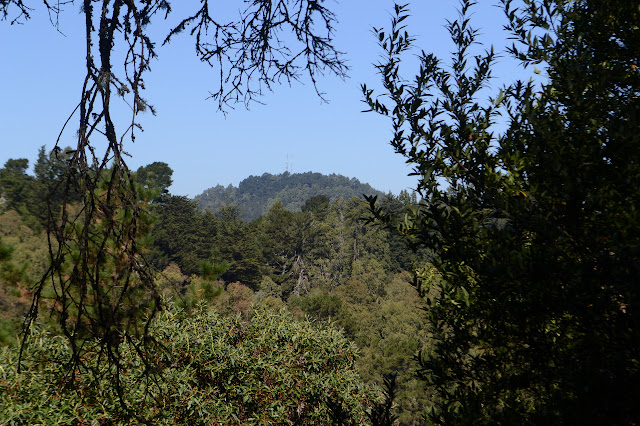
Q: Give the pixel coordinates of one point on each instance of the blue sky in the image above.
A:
(41, 74)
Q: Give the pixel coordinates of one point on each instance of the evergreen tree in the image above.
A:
(156, 177)
(178, 235)
(51, 192)
(17, 188)
(237, 244)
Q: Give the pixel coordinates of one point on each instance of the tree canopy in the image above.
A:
(533, 233)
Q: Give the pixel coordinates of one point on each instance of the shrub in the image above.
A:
(213, 370)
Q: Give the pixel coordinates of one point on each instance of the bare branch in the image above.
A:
(271, 42)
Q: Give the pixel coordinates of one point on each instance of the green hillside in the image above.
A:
(255, 195)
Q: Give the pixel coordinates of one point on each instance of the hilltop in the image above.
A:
(256, 194)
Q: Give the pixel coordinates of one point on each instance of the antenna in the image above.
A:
(289, 164)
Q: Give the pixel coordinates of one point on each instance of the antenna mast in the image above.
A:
(289, 164)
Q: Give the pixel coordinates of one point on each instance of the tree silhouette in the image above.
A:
(534, 233)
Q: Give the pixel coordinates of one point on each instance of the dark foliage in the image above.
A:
(534, 233)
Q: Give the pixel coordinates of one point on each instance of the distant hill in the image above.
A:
(255, 195)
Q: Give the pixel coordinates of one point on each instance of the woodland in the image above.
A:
(322, 264)
(255, 194)
(506, 291)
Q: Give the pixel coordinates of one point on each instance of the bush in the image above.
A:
(213, 370)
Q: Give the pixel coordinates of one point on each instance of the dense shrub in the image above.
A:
(213, 370)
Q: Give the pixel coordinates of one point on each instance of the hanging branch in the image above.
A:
(271, 42)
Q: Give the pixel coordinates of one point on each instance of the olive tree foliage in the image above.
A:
(104, 293)
(533, 287)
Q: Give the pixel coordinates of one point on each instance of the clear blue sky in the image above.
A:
(41, 74)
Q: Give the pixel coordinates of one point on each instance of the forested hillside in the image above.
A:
(322, 262)
(256, 194)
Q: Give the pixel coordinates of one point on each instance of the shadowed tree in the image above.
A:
(534, 233)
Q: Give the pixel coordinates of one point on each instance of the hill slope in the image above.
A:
(256, 194)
